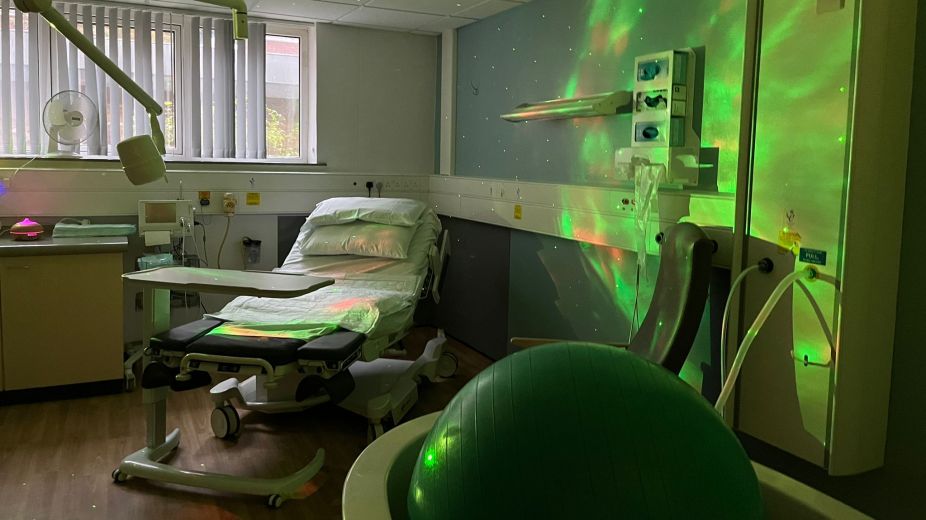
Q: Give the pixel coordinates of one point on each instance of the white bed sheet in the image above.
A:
(358, 303)
(373, 296)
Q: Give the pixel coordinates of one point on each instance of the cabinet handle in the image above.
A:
(11, 267)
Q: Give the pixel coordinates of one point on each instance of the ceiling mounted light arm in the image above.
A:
(239, 15)
(140, 155)
(60, 23)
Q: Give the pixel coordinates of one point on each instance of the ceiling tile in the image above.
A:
(448, 22)
(487, 9)
(409, 15)
(301, 9)
(388, 18)
(442, 7)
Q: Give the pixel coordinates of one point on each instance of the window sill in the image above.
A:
(13, 163)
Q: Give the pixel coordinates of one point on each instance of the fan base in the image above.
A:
(63, 155)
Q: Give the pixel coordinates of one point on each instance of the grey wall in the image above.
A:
(377, 94)
(474, 293)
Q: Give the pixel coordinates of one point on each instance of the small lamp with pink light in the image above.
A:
(27, 229)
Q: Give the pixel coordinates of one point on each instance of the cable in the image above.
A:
(199, 255)
(819, 313)
(726, 316)
(186, 228)
(636, 307)
(753, 331)
(27, 163)
(205, 247)
(218, 260)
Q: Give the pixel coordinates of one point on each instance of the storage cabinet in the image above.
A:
(60, 317)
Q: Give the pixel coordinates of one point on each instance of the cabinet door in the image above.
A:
(61, 319)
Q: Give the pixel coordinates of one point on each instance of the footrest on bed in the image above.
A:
(337, 346)
(276, 351)
(178, 338)
(334, 348)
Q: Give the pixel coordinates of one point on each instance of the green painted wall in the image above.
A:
(895, 490)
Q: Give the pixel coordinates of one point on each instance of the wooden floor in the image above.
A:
(56, 457)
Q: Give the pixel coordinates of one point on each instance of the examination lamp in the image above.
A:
(141, 156)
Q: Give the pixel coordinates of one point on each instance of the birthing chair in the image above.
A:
(668, 331)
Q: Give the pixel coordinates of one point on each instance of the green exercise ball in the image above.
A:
(581, 431)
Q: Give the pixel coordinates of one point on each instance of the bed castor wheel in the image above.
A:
(225, 422)
(119, 477)
(447, 365)
(275, 501)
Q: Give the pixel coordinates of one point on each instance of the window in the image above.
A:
(282, 93)
(223, 99)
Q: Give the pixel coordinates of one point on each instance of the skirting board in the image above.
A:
(601, 216)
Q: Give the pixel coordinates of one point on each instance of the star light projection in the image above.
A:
(550, 49)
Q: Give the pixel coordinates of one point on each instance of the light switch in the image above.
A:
(828, 6)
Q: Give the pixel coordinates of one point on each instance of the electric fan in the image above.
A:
(70, 118)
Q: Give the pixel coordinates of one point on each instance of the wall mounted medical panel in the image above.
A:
(827, 191)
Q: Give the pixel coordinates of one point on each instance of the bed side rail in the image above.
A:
(439, 258)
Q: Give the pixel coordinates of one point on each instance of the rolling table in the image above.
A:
(156, 285)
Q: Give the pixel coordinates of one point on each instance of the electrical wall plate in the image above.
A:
(229, 204)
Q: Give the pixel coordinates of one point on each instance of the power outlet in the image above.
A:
(229, 204)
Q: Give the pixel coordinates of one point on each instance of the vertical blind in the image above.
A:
(224, 108)
(20, 98)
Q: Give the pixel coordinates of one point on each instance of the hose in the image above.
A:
(726, 317)
(218, 261)
(753, 331)
(199, 254)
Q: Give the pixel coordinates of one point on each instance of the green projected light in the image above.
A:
(800, 178)
(613, 32)
(550, 49)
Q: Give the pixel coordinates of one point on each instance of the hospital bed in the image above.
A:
(312, 332)
(383, 294)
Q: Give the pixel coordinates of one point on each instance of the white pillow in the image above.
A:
(361, 239)
(343, 210)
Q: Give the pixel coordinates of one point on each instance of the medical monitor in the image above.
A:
(164, 215)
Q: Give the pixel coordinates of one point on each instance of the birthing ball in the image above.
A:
(581, 431)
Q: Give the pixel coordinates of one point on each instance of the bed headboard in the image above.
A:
(288, 227)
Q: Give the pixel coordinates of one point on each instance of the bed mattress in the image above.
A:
(373, 296)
